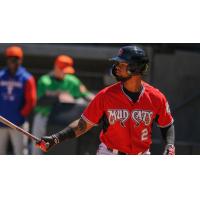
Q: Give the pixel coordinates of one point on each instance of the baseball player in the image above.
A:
(17, 99)
(61, 85)
(127, 110)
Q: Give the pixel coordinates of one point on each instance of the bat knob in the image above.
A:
(44, 145)
(47, 145)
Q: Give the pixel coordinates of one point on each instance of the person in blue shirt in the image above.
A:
(17, 99)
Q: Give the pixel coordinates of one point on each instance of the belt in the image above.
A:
(115, 151)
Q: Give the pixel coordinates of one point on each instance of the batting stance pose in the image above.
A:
(127, 110)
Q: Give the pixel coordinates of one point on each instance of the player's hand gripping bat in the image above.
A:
(39, 143)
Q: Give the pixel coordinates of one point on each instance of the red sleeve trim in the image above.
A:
(165, 126)
(30, 96)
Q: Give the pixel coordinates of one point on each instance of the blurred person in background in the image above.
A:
(60, 85)
(17, 99)
(70, 70)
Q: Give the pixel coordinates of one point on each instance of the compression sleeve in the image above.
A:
(168, 134)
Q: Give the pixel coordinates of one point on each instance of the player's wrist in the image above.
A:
(47, 142)
(66, 134)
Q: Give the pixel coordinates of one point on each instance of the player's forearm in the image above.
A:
(29, 106)
(168, 134)
(79, 127)
(169, 139)
(75, 129)
(30, 97)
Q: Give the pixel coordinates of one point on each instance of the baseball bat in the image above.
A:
(42, 144)
(13, 126)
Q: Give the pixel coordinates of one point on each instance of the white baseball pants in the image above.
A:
(103, 150)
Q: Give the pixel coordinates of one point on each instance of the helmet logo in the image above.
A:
(121, 51)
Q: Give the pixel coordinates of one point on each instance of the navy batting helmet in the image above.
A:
(135, 57)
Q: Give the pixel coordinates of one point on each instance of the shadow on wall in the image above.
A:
(177, 76)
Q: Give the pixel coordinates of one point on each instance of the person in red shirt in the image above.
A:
(127, 110)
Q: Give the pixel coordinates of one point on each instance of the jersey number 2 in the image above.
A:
(144, 134)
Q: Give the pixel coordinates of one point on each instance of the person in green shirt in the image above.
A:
(60, 85)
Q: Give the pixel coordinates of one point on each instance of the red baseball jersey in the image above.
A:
(129, 124)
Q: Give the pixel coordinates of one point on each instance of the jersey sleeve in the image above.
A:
(30, 97)
(95, 110)
(75, 85)
(77, 90)
(41, 88)
(80, 90)
(84, 91)
(165, 118)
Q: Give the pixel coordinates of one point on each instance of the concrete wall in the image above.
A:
(178, 76)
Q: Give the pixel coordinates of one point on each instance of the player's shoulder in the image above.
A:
(24, 73)
(3, 72)
(45, 79)
(72, 78)
(153, 91)
(111, 89)
(107, 91)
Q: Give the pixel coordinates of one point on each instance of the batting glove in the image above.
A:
(169, 150)
(47, 142)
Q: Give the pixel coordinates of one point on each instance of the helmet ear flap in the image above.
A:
(113, 70)
(134, 70)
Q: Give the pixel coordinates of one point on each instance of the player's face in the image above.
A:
(13, 63)
(58, 73)
(121, 71)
